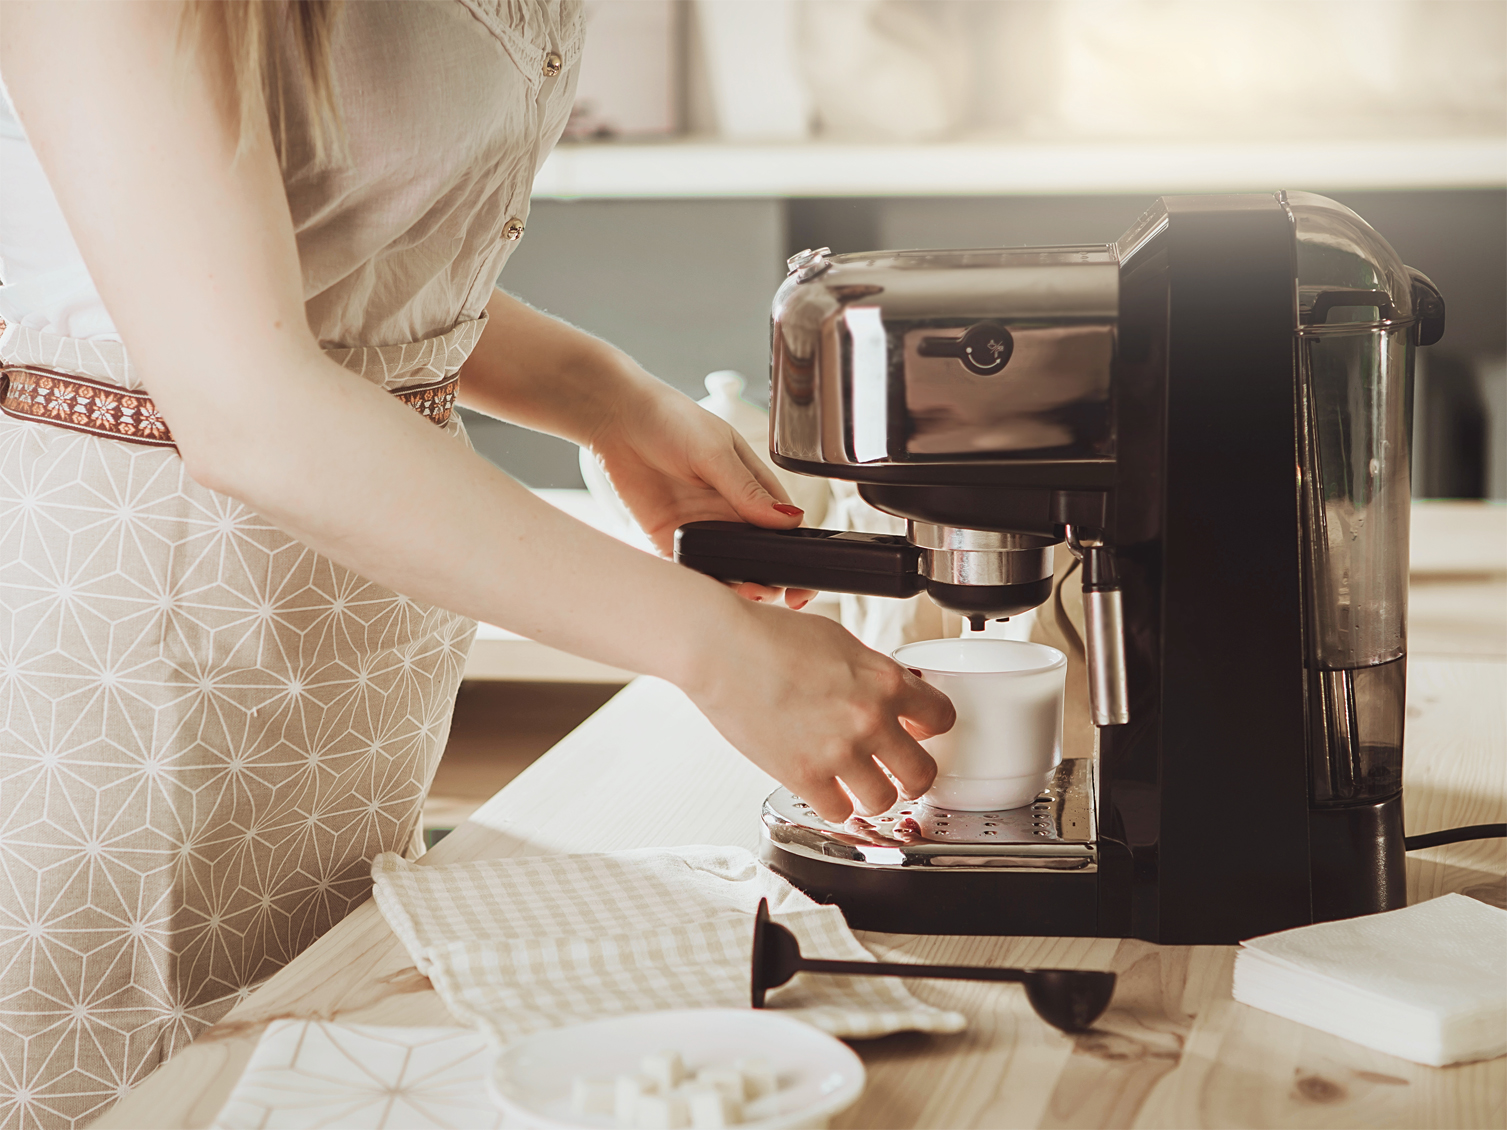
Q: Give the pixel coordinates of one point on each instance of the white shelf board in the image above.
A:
(1456, 537)
(683, 169)
(501, 655)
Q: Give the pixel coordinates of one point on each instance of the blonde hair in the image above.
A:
(249, 30)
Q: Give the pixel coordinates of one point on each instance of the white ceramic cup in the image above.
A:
(1008, 737)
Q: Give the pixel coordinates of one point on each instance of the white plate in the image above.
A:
(818, 1075)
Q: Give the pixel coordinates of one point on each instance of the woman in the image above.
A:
(232, 330)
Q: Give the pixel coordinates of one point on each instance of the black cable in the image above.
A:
(1455, 836)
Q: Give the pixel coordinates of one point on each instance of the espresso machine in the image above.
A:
(1213, 413)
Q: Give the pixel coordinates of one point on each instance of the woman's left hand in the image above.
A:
(672, 462)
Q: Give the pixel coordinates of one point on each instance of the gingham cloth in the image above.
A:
(517, 945)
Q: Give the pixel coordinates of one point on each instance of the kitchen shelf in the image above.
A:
(499, 654)
(692, 168)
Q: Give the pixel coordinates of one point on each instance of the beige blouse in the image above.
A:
(449, 109)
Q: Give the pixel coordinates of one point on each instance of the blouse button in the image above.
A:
(552, 64)
(513, 229)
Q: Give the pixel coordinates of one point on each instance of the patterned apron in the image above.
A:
(209, 730)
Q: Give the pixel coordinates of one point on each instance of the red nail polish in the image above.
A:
(798, 607)
(786, 508)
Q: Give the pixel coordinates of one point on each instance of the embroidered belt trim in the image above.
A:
(95, 408)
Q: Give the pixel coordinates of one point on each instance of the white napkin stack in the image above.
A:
(1427, 983)
(516, 945)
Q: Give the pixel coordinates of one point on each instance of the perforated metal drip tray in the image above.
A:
(1054, 832)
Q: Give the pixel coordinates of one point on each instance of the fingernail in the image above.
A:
(786, 508)
(798, 607)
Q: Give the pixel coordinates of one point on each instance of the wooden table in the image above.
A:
(1173, 1051)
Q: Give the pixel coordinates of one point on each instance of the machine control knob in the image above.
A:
(984, 348)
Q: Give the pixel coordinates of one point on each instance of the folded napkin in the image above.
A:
(517, 945)
(1427, 983)
(312, 1073)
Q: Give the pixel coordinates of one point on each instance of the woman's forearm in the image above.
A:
(535, 370)
(387, 494)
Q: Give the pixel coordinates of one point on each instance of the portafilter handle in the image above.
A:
(976, 583)
(829, 560)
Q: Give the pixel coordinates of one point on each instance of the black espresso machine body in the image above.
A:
(1213, 412)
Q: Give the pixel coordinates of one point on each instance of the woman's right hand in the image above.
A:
(824, 715)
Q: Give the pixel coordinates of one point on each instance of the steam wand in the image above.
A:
(1103, 631)
(1069, 999)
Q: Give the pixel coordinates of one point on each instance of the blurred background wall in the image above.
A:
(682, 281)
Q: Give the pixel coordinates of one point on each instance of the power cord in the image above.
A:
(1455, 836)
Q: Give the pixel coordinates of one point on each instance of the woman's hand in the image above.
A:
(672, 462)
(669, 459)
(830, 719)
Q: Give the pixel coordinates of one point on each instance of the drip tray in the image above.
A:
(1053, 832)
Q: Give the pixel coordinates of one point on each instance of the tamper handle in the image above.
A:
(1104, 638)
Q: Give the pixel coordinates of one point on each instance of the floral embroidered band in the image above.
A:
(99, 409)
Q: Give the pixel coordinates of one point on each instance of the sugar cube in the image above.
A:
(727, 1080)
(665, 1067)
(592, 1096)
(758, 1079)
(711, 1109)
(626, 1092)
(661, 1112)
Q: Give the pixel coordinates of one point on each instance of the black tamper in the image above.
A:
(1069, 999)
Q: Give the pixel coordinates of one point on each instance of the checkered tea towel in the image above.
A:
(517, 945)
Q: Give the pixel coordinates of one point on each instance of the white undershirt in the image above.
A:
(46, 285)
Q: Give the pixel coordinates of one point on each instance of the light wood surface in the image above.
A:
(1173, 1051)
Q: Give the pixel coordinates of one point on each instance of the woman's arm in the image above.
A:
(533, 369)
(670, 460)
(193, 252)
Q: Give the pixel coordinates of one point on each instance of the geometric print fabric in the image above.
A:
(207, 731)
(311, 1075)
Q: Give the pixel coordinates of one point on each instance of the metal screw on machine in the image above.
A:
(1068, 999)
(808, 264)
